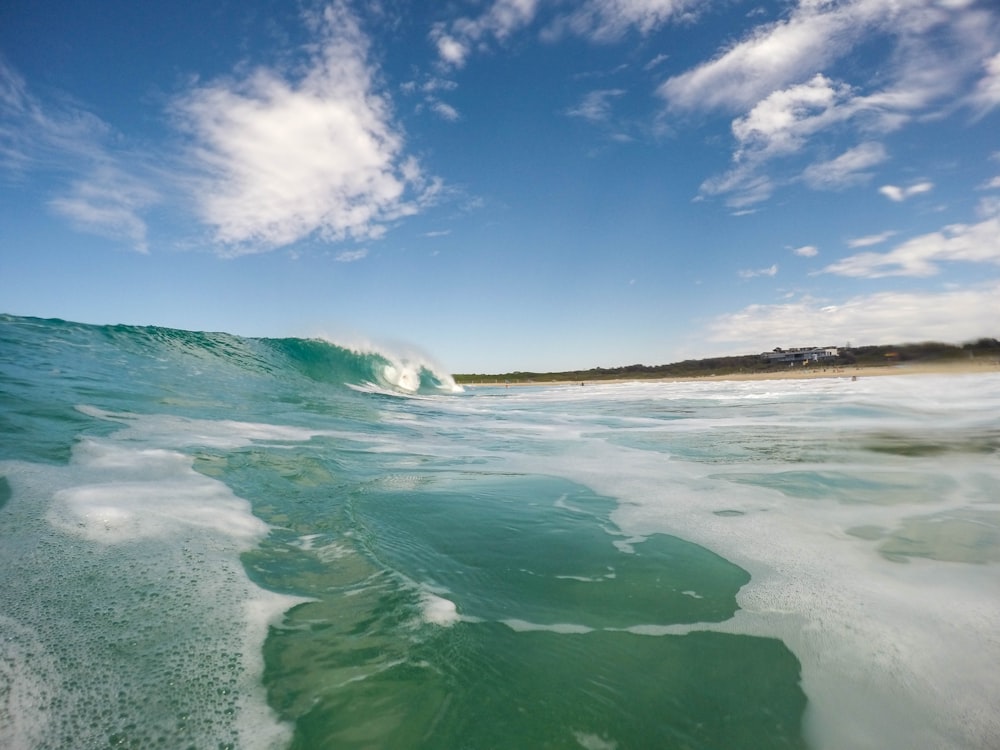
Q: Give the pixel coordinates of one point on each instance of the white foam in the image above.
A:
(161, 430)
(29, 681)
(405, 363)
(169, 498)
(893, 655)
(439, 611)
(128, 614)
(563, 628)
(594, 742)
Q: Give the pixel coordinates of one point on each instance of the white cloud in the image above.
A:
(350, 256)
(446, 111)
(597, 20)
(749, 274)
(781, 125)
(923, 64)
(772, 57)
(986, 95)
(847, 169)
(452, 51)
(429, 91)
(777, 81)
(898, 194)
(992, 184)
(892, 192)
(108, 203)
(34, 135)
(871, 239)
(923, 255)
(661, 58)
(781, 122)
(609, 20)
(881, 318)
(806, 251)
(101, 197)
(279, 160)
(745, 184)
(456, 40)
(596, 105)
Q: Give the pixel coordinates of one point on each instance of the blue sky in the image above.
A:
(507, 184)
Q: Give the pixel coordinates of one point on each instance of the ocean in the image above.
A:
(209, 541)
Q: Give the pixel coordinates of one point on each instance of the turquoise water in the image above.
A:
(209, 541)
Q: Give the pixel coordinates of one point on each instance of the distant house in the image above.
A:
(802, 354)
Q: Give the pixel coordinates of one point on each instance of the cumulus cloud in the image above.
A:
(780, 126)
(778, 81)
(898, 194)
(816, 34)
(445, 111)
(806, 251)
(923, 255)
(885, 317)
(781, 122)
(281, 158)
(456, 40)
(770, 58)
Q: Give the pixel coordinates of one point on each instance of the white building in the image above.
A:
(801, 354)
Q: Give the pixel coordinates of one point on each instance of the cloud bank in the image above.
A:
(884, 317)
(924, 255)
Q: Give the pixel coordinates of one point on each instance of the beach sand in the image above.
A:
(798, 372)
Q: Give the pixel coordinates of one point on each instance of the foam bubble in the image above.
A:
(128, 616)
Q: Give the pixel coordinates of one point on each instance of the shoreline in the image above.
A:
(970, 367)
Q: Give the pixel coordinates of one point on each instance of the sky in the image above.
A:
(506, 185)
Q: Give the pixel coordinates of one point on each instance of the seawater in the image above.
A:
(210, 541)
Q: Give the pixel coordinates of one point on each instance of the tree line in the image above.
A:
(860, 356)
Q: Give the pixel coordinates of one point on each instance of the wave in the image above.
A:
(363, 369)
(318, 360)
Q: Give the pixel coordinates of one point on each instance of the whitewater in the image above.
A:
(212, 541)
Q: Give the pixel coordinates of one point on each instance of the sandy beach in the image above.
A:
(962, 367)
